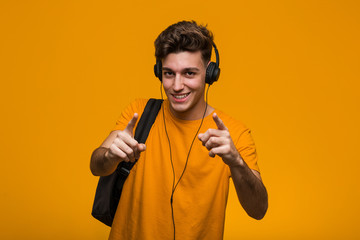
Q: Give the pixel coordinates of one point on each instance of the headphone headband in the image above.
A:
(216, 55)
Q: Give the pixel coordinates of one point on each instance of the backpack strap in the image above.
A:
(147, 119)
(142, 130)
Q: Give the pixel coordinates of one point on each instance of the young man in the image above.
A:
(179, 186)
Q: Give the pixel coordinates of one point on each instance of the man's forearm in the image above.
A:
(100, 165)
(250, 190)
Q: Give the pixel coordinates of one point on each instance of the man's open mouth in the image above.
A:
(181, 96)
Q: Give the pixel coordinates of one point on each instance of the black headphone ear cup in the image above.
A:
(216, 73)
(158, 70)
(210, 73)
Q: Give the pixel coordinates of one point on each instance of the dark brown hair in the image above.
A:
(184, 36)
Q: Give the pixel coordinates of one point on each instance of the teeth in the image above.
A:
(181, 96)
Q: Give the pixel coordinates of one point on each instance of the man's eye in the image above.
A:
(190, 73)
(168, 73)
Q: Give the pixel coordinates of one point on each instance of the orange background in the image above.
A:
(290, 71)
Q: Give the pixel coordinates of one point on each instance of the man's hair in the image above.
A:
(184, 36)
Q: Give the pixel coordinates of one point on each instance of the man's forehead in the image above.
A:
(183, 59)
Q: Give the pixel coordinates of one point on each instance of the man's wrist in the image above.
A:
(238, 163)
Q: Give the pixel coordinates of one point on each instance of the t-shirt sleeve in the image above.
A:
(136, 106)
(246, 147)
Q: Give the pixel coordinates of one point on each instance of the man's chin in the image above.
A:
(178, 109)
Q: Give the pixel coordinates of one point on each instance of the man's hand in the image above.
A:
(124, 147)
(218, 142)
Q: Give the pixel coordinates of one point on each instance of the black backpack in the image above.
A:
(109, 188)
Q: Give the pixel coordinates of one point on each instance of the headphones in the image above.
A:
(212, 70)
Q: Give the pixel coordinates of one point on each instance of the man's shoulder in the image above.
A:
(139, 102)
(137, 105)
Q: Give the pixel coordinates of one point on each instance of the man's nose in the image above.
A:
(178, 82)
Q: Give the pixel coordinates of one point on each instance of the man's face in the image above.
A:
(184, 84)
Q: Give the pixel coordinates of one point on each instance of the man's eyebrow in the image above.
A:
(190, 69)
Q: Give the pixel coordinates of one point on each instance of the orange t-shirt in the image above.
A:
(199, 202)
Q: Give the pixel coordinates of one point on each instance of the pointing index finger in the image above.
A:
(219, 123)
(130, 127)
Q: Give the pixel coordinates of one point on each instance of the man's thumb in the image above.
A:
(141, 147)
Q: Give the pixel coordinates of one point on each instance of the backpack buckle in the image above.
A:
(123, 171)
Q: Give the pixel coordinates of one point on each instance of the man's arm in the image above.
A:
(118, 146)
(251, 191)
